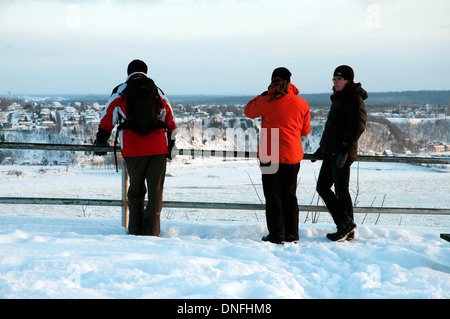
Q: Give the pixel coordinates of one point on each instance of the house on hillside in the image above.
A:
(436, 148)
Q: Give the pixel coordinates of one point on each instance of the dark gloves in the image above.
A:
(96, 143)
(342, 155)
(317, 154)
(102, 140)
(341, 159)
(102, 136)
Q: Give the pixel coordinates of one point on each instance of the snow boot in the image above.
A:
(291, 239)
(351, 236)
(343, 232)
(273, 240)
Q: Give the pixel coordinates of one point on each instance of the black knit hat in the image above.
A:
(344, 71)
(282, 73)
(137, 66)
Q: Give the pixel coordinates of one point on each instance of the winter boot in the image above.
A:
(351, 236)
(292, 239)
(152, 222)
(273, 240)
(343, 232)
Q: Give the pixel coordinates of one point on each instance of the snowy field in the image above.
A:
(83, 252)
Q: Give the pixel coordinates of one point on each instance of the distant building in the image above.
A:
(436, 148)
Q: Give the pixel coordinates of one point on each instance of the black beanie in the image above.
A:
(137, 66)
(282, 73)
(344, 71)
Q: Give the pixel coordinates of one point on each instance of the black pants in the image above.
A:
(150, 169)
(339, 203)
(281, 202)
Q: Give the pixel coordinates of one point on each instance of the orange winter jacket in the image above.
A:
(284, 121)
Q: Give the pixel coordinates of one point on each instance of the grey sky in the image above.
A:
(222, 46)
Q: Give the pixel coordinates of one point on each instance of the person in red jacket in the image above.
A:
(285, 119)
(145, 156)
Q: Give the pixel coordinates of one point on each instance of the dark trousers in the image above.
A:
(143, 170)
(281, 202)
(339, 203)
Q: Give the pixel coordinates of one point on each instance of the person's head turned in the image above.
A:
(342, 76)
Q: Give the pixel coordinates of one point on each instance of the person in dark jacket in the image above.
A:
(345, 123)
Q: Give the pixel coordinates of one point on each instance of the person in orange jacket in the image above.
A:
(285, 119)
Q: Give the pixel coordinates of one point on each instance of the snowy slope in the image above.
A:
(94, 258)
(74, 252)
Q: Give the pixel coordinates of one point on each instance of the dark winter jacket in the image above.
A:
(346, 122)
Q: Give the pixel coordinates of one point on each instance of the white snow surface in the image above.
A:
(75, 252)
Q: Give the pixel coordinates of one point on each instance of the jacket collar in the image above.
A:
(352, 89)
(136, 74)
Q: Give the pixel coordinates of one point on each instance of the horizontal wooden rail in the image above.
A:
(361, 158)
(216, 205)
(61, 201)
(219, 153)
(55, 147)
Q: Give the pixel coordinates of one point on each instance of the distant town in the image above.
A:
(23, 112)
(402, 126)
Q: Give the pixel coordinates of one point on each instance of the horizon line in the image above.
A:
(5, 95)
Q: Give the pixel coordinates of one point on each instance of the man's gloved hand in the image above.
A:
(341, 159)
(96, 143)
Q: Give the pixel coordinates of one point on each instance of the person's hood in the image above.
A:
(360, 91)
(354, 88)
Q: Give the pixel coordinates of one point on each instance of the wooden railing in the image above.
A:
(209, 205)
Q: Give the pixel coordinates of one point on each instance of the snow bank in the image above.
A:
(95, 258)
(73, 252)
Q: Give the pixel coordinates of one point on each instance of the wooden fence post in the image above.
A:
(124, 195)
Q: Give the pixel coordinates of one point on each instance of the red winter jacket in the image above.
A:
(132, 144)
(289, 115)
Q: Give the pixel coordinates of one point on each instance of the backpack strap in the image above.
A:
(116, 139)
(163, 124)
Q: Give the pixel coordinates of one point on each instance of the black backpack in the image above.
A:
(143, 106)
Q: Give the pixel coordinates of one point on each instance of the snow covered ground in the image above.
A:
(83, 252)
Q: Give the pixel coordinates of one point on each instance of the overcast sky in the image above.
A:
(222, 46)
